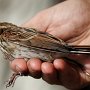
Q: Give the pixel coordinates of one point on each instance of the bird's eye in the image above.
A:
(1, 31)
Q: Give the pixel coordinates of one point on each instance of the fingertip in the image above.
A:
(47, 68)
(34, 66)
(59, 64)
(19, 65)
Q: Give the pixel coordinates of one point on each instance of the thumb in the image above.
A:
(40, 21)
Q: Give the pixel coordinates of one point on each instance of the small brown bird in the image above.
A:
(19, 42)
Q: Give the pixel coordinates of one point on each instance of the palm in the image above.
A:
(70, 21)
(74, 29)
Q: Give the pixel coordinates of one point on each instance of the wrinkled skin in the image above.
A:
(70, 21)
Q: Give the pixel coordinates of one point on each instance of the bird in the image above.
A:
(27, 43)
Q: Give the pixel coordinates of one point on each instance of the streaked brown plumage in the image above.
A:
(19, 42)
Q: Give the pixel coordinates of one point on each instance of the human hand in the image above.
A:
(69, 21)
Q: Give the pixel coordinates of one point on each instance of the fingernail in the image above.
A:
(18, 69)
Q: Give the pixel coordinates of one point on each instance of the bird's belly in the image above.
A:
(28, 53)
(18, 51)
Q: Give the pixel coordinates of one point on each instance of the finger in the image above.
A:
(39, 22)
(19, 65)
(49, 73)
(34, 66)
(68, 75)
